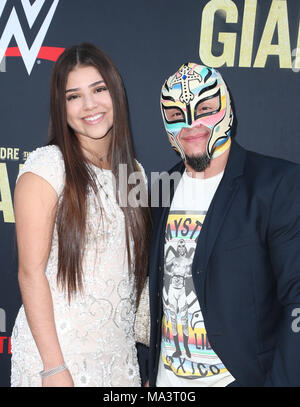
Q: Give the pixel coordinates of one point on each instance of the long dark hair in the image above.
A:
(72, 210)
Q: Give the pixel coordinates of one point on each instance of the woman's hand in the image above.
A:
(61, 379)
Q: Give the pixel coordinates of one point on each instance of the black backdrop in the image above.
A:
(148, 40)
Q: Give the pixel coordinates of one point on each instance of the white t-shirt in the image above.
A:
(186, 358)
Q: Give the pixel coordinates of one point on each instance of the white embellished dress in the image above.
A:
(96, 331)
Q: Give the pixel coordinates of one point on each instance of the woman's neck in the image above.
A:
(98, 158)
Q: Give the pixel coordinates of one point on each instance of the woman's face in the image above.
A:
(88, 105)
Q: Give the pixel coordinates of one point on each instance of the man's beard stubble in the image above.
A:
(199, 163)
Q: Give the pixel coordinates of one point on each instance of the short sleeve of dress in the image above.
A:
(48, 163)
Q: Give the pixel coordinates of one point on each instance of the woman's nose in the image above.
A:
(89, 102)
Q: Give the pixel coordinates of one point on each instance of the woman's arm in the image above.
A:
(35, 203)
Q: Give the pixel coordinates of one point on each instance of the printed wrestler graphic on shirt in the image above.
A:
(185, 347)
(179, 268)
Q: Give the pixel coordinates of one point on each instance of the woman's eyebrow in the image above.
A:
(96, 83)
(90, 86)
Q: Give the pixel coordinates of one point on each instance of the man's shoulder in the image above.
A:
(258, 163)
(255, 163)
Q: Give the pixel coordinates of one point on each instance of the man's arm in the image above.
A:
(143, 356)
(284, 249)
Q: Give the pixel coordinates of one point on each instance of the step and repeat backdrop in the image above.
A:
(255, 44)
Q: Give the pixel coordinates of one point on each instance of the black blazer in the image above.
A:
(246, 271)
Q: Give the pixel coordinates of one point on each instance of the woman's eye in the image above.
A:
(72, 97)
(101, 89)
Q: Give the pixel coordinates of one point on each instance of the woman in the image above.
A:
(82, 256)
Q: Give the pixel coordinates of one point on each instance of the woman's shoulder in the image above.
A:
(48, 163)
(50, 153)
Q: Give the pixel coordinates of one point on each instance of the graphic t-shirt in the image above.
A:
(187, 358)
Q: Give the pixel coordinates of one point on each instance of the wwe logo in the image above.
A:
(13, 28)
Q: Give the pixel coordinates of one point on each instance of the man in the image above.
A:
(223, 309)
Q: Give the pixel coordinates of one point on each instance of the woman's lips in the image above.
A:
(93, 119)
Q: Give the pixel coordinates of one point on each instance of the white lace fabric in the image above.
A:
(96, 331)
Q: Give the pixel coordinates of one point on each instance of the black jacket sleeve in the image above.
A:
(143, 355)
(284, 249)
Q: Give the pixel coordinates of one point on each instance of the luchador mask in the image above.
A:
(185, 91)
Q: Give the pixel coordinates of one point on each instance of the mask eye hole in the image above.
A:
(208, 106)
(173, 114)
